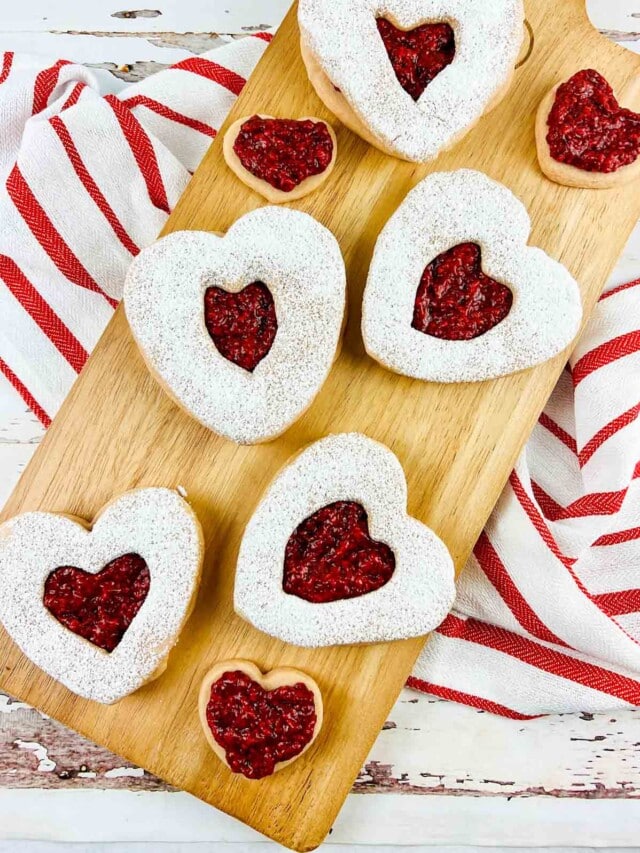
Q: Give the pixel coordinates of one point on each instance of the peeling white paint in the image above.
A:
(45, 765)
(118, 772)
(8, 705)
(87, 774)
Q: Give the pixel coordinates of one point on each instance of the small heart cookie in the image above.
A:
(411, 77)
(259, 723)
(584, 137)
(99, 608)
(330, 555)
(241, 330)
(282, 159)
(455, 294)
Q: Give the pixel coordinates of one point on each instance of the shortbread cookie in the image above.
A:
(259, 723)
(282, 159)
(411, 77)
(454, 292)
(584, 137)
(241, 330)
(99, 607)
(330, 555)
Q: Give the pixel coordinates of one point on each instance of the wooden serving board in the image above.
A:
(118, 430)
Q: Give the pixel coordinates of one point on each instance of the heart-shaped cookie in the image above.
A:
(99, 608)
(243, 373)
(330, 555)
(584, 137)
(411, 76)
(259, 723)
(282, 159)
(436, 305)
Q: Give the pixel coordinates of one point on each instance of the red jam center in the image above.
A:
(99, 607)
(242, 325)
(330, 556)
(418, 55)
(587, 127)
(284, 152)
(259, 728)
(456, 301)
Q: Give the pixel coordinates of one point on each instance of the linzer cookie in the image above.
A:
(330, 555)
(282, 159)
(99, 608)
(412, 77)
(585, 138)
(241, 330)
(455, 294)
(259, 723)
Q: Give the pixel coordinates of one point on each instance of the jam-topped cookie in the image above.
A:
(411, 77)
(455, 294)
(330, 555)
(242, 329)
(259, 723)
(585, 138)
(282, 159)
(99, 607)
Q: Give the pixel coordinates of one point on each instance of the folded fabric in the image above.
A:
(547, 617)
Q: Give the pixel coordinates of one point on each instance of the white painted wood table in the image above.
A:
(439, 773)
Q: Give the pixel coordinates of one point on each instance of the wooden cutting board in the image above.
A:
(118, 430)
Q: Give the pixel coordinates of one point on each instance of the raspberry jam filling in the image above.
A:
(259, 728)
(242, 325)
(418, 55)
(284, 152)
(588, 129)
(330, 556)
(99, 607)
(456, 301)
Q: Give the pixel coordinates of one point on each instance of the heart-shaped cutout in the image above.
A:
(584, 137)
(242, 325)
(331, 556)
(443, 212)
(345, 469)
(409, 88)
(259, 723)
(299, 263)
(45, 559)
(282, 159)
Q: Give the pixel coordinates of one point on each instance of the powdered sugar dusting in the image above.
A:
(343, 37)
(442, 211)
(300, 262)
(154, 523)
(348, 467)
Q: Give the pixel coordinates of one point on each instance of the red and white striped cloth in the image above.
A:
(548, 611)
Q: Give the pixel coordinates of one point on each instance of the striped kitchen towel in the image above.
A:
(547, 617)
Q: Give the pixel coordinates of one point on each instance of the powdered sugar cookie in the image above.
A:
(99, 607)
(455, 294)
(259, 723)
(330, 555)
(242, 329)
(584, 137)
(411, 76)
(282, 159)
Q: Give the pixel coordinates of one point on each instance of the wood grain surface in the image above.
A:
(457, 443)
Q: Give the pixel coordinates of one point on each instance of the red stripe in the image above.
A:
(45, 83)
(212, 71)
(546, 422)
(74, 97)
(143, 152)
(619, 603)
(7, 62)
(498, 576)
(90, 185)
(542, 658)
(537, 520)
(619, 537)
(619, 289)
(166, 112)
(26, 395)
(46, 234)
(604, 354)
(604, 434)
(466, 699)
(41, 313)
(264, 36)
(596, 503)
